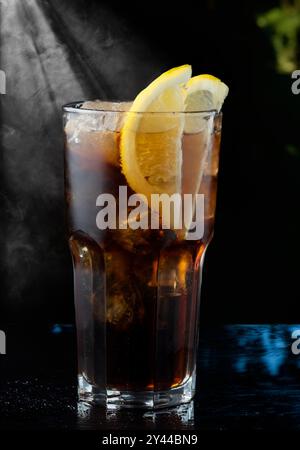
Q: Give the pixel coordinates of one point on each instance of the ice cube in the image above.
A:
(143, 242)
(100, 105)
(134, 241)
(109, 115)
(124, 305)
(95, 116)
(124, 302)
(79, 123)
(175, 270)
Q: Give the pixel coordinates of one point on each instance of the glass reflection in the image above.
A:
(93, 417)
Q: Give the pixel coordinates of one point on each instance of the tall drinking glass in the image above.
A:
(137, 269)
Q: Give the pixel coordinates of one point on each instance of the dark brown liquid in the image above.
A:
(136, 291)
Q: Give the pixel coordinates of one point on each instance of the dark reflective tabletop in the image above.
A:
(248, 379)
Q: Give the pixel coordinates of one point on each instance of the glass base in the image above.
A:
(114, 399)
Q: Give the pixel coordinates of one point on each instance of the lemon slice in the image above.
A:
(202, 93)
(150, 145)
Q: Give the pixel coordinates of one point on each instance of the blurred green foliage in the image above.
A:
(292, 150)
(282, 24)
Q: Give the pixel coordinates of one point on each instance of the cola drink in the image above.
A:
(137, 291)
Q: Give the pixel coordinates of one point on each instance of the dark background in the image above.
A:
(56, 51)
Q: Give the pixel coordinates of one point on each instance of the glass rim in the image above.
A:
(73, 107)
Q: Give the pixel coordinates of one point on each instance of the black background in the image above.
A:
(56, 51)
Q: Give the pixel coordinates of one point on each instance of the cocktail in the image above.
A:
(141, 181)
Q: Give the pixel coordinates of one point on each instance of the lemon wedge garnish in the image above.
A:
(150, 145)
(151, 137)
(202, 93)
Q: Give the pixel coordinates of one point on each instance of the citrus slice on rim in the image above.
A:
(202, 93)
(150, 145)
